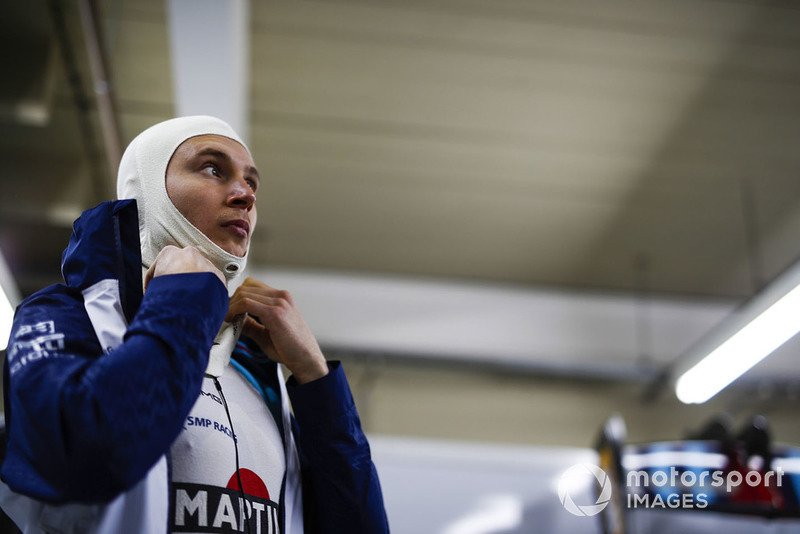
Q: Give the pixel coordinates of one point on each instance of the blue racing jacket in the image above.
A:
(91, 414)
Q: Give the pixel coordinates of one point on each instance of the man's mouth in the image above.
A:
(239, 226)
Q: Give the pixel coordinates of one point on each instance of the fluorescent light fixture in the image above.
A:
(9, 297)
(762, 325)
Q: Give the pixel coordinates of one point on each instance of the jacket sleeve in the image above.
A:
(84, 426)
(341, 490)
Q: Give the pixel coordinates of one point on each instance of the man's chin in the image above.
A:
(239, 252)
(235, 249)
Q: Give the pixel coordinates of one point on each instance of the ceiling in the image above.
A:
(618, 146)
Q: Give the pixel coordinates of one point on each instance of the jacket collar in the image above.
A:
(105, 245)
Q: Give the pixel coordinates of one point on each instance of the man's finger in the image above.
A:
(259, 307)
(252, 282)
(262, 291)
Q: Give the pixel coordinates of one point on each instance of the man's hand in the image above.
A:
(174, 260)
(277, 326)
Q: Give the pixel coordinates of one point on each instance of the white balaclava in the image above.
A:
(142, 176)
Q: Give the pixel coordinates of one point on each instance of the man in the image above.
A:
(131, 406)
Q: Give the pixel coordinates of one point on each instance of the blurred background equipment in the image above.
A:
(715, 479)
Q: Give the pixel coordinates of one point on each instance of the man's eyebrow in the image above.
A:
(208, 151)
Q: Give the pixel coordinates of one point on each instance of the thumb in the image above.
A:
(258, 332)
(254, 329)
(149, 275)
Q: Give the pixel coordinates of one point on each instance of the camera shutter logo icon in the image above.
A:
(574, 481)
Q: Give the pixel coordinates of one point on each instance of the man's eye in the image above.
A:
(210, 169)
(253, 185)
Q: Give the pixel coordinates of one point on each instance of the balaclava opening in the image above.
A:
(142, 176)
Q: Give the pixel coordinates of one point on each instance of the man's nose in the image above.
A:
(241, 195)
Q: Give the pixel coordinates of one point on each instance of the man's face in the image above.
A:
(212, 180)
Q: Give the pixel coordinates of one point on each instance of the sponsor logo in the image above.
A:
(204, 508)
(211, 396)
(32, 343)
(205, 422)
